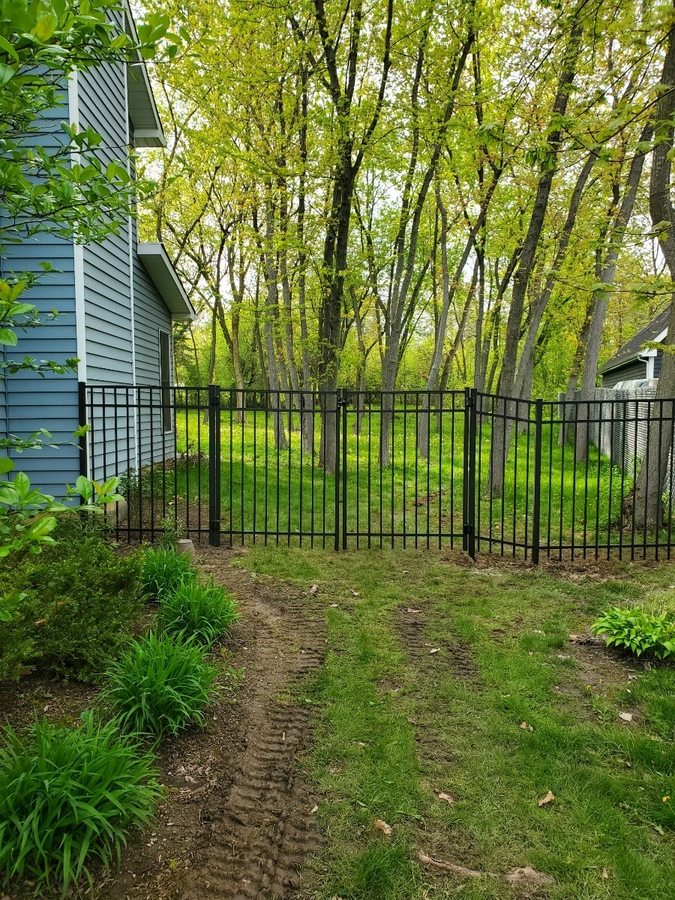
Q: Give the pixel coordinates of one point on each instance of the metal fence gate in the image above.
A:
(456, 469)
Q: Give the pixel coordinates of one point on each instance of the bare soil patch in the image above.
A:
(237, 822)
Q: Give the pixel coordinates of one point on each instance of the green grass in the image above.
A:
(67, 796)
(197, 611)
(160, 685)
(398, 724)
(287, 492)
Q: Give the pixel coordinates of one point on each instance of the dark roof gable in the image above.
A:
(632, 349)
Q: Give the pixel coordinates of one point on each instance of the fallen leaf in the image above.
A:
(387, 830)
(605, 873)
(410, 610)
(313, 810)
(355, 593)
(446, 797)
(525, 876)
(549, 798)
(314, 589)
(526, 727)
(334, 605)
(626, 717)
(412, 722)
(538, 631)
(435, 650)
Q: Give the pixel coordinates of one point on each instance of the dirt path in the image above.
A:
(240, 823)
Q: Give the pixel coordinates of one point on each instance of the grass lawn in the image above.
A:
(445, 678)
(414, 501)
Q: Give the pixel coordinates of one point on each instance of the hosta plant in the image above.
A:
(199, 611)
(68, 796)
(160, 685)
(163, 572)
(639, 632)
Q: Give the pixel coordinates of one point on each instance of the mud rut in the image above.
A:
(239, 822)
(262, 832)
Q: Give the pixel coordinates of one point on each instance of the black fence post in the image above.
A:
(214, 465)
(336, 478)
(536, 495)
(82, 420)
(470, 471)
(343, 473)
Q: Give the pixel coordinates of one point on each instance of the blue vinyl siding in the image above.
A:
(151, 315)
(107, 277)
(31, 402)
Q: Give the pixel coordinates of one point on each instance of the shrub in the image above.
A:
(199, 611)
(67, 795)
(160, 685)
(637, 631)
(80, 601)
(163, 572)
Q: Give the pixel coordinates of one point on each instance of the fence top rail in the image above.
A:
(487, 403)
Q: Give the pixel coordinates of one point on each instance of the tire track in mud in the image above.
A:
(411, 626)
(430, 659)
(263, 830)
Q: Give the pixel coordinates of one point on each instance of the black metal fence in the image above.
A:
(454, 469)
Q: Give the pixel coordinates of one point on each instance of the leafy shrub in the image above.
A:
(67, 795)
(199, 611)
(79, 602)
(637, 631)
(164, 571)
(160, 685)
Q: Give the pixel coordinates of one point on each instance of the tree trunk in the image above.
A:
(650, 483)
(600, 299)
(501, 429)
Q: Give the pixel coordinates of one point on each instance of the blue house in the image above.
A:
(116, 300)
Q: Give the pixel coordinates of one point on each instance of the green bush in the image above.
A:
(163, 572)
(80, 602)
(637, 631)
(67, 795)
(199, 611)
(160, 685)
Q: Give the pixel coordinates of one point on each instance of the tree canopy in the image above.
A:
(411, 195)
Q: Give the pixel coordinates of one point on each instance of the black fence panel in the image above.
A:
(373, 469)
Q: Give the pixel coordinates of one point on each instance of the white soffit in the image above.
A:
(148, 131)
(163, 275)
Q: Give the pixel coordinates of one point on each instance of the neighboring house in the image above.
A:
(116, 300)
(632, 362)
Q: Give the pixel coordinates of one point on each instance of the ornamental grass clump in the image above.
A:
(638, 632)
(201, 611)
(68, 796)
(164, 571)
(160, 685)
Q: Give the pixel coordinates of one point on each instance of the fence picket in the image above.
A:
(565, 497)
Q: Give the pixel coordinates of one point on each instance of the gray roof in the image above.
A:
(632, 350)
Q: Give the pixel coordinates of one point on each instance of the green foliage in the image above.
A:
(27, 515)
(163, 572)
(198, 611)
(61, 184)
(67, 796)
(77, 603)
(159, 685)
(638, 631)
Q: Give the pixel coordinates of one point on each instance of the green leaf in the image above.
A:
(6, 465)
(8, 337)
(45, 27)
(6, 74)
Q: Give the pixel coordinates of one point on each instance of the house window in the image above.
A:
(165, 378)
